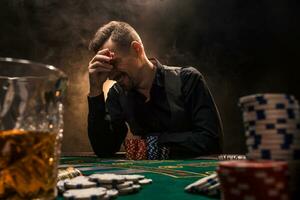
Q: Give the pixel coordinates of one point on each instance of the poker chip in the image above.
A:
(131, 146)
(141, 153)
(202, 184)
(101, 186)
(127, 190)
(271, 114)
(253, 179)
(272, 126)
(136, 187)
(111, 194)
(145, 181)
(133, 177)
(61, 186)
(270, 106)
(68, 173)
(262, 98)
(79, 182)
(124, 185)
(152, 147)
(275, 154)
(107, 178)
(85, 194)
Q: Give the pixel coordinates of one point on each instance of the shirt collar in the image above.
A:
(159, 74)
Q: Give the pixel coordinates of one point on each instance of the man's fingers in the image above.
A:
(100, 58)
(96, 70)
(103, 51)
(98, 64)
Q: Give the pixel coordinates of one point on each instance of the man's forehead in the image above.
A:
(109, 44)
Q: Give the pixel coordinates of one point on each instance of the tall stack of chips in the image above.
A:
(152, 147)
(156, 151)
(148, 148)
(259, 180)
(136, 149)
(272, 127)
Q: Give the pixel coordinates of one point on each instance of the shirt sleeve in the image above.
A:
(206, 127)
(106, 125)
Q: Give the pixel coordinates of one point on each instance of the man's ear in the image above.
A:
(137, 48)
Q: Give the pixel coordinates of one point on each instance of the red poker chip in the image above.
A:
(253, 179)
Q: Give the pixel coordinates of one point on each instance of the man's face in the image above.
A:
(125, 64)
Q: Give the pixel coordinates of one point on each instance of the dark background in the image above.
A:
(241, 47)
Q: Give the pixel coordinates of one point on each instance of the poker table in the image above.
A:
(170, 177)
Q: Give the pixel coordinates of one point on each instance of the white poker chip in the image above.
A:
(124, 185)
(112, 193)
(266, 96)
(270, 106)
(61, 186)
(79, 182)
(107, 186)
(145, 181)
(136, 188)
(107, 178)
(85, 194)
(128, 190)
(133, 177)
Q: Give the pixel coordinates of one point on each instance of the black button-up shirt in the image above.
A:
(107, 132)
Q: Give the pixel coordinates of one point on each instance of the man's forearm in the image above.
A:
(104, 139)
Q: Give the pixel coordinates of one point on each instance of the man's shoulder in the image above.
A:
(189, 71)
(115, 91)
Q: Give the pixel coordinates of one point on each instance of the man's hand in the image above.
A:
(99, 69)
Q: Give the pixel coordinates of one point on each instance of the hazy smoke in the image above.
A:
(241, 47)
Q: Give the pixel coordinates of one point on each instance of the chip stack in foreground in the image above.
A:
(101, 186)
(272, 126)
(259, 180)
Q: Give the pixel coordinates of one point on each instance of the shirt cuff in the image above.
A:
(96, 104)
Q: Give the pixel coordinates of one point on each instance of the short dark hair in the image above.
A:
(120, 32)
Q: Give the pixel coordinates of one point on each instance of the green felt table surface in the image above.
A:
(169, 176)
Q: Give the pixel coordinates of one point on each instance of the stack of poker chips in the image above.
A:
(272, 127)
(101, 186)
(208, 185)
(67, 173)
(136, 149)
(259, 180)
(156, 151)
(141, 149)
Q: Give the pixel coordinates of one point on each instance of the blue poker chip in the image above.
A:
(152, 148)
(271, 115)
(270, 106)
(263, 98)
(278, 121)
(269, 154)
(278, 134)
(286, 139)
(283, 146)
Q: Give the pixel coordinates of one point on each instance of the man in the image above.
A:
(171, 102)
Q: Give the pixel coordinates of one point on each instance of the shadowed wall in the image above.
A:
(241, 47)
